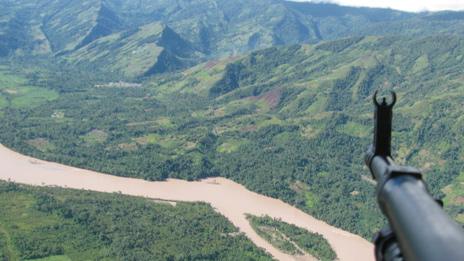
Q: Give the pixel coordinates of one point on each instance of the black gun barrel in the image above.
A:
(423, 230)
(420, 226)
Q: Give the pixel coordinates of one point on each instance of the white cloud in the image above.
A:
(405, 5)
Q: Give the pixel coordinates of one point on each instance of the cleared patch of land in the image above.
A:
(95, 136)
(15, 92)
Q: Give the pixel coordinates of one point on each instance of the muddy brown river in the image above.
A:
(230, 199)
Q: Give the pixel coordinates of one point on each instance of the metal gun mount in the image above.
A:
(383, 125)
(381, 146)
(383, 116)
(418, 227)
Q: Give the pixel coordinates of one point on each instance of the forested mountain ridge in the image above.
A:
(290, 122)
(214, 28)
(152, 48)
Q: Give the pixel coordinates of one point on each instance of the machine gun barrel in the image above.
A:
(419, 226)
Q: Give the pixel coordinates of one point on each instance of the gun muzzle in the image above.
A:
(422, 229)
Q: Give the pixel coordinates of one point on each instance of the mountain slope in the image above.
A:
(150, 49)
(221, 28)
(215, 28)
(20, 32)
(106, 23)
(67, 23)
(290, 122)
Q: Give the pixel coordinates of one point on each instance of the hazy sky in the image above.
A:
(405, 5)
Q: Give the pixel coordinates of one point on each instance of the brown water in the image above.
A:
(227, 197)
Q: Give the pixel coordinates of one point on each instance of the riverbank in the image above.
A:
(230, 199)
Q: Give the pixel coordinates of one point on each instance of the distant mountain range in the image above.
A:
(166, 35)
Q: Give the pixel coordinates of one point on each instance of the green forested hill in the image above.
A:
(152, 48)
(290, 122)
(212, 28)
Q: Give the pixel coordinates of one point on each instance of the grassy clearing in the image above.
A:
(460, 218)
(205, 79)
(141, 123)
(230, 146)
(167, 142)
(237, 105)
(197, 80)
(310, 132)
(454, 198)
(419, 109)
(22, 96)
(60, 117)
(318, 106)
(165, 123)
(313, 129)
(268, 122)
(18, 214)
(95, 137)
(354, 129)
(41, 144)
(129, 147)
(303, 191)
(171, 143)
(262, 105)
(147, 139)
(3, 102)
(421, 64)
(310, 199)
(455, 192)
(31, 97)
(54, 258)
(6, 249)
(282, 138)
(8, 80)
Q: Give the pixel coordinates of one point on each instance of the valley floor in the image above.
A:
(229, 198)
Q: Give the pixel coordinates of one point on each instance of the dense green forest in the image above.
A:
(275, 95)
(292, 239)
(59, 224)
(289, 122)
